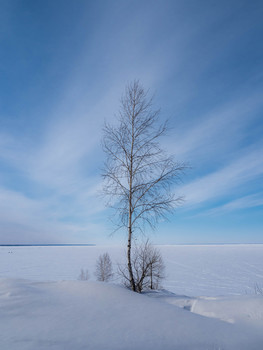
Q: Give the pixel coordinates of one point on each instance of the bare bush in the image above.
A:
(84, 275)
(104, 268)
(148, 268)
(156, 269)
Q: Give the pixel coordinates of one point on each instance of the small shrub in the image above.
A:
(84, 275)
(103, 271)
(258, 289)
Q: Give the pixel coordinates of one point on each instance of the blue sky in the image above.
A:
(64, 66)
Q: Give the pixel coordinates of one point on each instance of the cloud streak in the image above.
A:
(225, 181)
(246, 202)
(219, 131)
(50, 153)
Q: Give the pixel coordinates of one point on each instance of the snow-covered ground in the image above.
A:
(209, 301)
(192, 270)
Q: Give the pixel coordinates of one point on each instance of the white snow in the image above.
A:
(213, 269)
(191, 270)
(209, 302)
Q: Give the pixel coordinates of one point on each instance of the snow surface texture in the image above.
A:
(190, 270)
(216, 283)
(91, 315)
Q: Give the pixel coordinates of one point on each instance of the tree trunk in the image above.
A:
(132, 283)
(151, 277)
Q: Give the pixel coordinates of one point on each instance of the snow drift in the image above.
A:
(74, 315)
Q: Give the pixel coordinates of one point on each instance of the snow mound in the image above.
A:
(246, 310)
(78, 315)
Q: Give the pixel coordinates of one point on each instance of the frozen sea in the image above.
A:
(193, 270)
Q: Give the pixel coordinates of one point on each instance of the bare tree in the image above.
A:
(147, 265)
(104, 268)
(84, 275)
(138, 174)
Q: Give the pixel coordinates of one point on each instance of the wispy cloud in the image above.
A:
(218, 133)
(26, 220)
(225, 181)
(250, 201)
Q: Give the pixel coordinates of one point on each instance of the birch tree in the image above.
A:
(138, 174)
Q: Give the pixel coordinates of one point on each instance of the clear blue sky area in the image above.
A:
(63, 68)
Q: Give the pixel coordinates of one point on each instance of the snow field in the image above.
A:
(209, 302)
(190, 270)
(91, 315)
